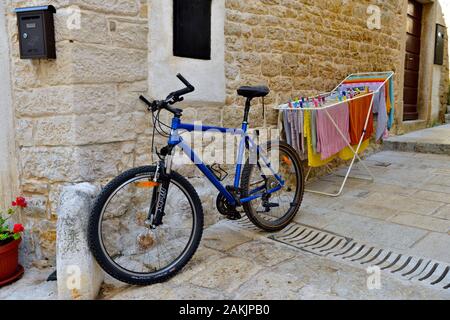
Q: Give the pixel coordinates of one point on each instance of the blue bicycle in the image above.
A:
(147, 223)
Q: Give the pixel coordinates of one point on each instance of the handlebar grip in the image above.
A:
(186, 83)
(142, 98)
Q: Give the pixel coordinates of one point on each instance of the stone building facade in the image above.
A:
(77, 118)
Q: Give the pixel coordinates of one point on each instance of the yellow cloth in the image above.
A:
(314, 159)
(347, 153)
(388, 98)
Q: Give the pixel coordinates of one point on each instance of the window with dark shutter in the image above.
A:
(192, 29)
(439, 47)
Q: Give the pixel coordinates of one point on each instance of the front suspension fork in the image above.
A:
(159, 194)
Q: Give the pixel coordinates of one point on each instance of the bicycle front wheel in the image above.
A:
(122, 241)
(274, 211)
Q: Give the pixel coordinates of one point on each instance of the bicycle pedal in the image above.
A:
(270, 205)
(235, 216)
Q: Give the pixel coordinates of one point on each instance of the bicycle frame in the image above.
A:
(246, 142)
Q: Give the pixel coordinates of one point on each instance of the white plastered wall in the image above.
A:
(437, 74)
(208, 76)
(7, 146)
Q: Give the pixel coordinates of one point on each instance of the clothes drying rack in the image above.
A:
(353, 78)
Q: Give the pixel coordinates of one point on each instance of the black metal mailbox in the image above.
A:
(439, 47)
(36, 32)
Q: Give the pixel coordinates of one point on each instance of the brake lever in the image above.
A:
(176, 100)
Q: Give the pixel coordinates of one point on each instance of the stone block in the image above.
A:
(227, 274)
(100, 64)
(118, 7)
(62, 100)
(444, 212)
(434, 245)
(79, 276)
(422, 222)
(93, 27)
(130, 35)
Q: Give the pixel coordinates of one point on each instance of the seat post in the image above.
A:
(247, 109)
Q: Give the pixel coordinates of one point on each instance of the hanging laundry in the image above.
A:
(392, 100)
(359, 109)
(287, 128)
(314, 159)
(332, 130)
(380, 108)
(337, 124)
(302, 136)
(348, 153)
(314, 131)
(293, 130)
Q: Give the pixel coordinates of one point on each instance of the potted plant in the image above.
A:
(10, 239)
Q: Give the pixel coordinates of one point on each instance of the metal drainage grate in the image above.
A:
(327, 244)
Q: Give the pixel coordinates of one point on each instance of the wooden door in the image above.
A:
(412, 61)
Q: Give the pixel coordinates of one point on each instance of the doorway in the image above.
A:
(412, 60)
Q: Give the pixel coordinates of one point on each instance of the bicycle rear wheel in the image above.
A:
(122, 241)
(275, 211)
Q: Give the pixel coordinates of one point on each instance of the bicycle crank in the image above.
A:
(226, 209)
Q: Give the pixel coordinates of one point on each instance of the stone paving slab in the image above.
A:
(411, 190)
(32, 286)
(304, 276)
(443, 212)
(433, 140)
(423, 222)
(440, 134)
(375, 231)
(435, 245)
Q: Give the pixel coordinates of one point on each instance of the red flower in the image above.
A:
(20, 202)
(18, 228)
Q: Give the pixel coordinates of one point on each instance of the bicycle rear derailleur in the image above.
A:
(227, 209)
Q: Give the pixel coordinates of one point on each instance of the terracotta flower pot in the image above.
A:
(9, 262)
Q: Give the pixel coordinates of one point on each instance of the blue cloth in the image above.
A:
(392, 97)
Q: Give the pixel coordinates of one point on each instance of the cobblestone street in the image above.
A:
(405, 211)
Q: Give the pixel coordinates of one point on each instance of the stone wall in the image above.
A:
(78, 118)
(301, 47)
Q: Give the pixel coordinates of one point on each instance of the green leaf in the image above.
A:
(16, 236)
(11, 211)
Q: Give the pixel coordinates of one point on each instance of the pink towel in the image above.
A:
(329, 140)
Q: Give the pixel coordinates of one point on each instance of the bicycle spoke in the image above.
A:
(141, 249)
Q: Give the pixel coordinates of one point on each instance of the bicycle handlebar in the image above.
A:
(177, 94)
(186, 83)
(172, 98)
(144, 99)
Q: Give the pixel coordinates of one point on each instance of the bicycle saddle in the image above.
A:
(253, 92)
